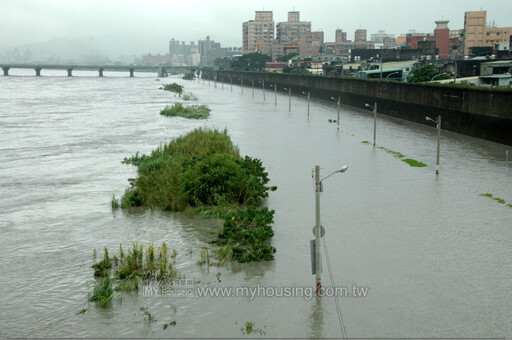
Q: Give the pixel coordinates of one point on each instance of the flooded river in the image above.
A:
(435, 256)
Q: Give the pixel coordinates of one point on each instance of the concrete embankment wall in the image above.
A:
(473, 112)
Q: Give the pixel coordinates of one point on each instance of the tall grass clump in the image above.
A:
(190, 112)
(189, 96)
(128, 269)
(103, 293)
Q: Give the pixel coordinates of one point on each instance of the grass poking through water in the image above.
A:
(497, 199)
(413, 162)
(103, 293)
(401, 156)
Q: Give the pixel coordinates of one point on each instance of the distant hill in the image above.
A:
(86, 50)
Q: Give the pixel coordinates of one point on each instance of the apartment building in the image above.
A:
(258, 34)
(477, 34)
(360, 35)
(293, 29)
(340, 36)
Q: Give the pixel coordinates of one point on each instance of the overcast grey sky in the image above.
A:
(149, 24)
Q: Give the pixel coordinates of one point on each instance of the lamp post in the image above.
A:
(275, 93)
(338, 121)
(374, 107)
(289, 98)
(318, 228)
(438, 122)
(437, 75)
(392, 74)
(309, 99)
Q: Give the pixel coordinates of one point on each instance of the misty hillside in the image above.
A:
(86, 50)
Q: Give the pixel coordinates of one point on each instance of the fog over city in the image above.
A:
(112, 29)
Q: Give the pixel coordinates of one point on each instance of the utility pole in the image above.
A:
(455, 70)
(275, 94)
(318, 241)
(289, 99)
(381, 64)
(309, 97)
(318, 230)
(339, 99)
(309, 100)
(438, 122)
(438, 143)
(374, 123)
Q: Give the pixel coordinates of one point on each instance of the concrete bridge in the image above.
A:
(162, 70)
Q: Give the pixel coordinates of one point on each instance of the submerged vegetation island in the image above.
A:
(190, 112)
(176, 88)
(203, 174)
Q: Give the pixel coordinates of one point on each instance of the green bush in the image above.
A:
(249, 231)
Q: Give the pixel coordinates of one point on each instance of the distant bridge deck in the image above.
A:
(160, 69)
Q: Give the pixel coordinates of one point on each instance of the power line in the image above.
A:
(336, 301)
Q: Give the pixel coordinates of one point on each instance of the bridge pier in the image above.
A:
(70, 71)
(38, 71)
(131, 72)
(100, 71)
(6, 70)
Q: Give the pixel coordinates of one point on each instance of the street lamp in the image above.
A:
(438, 75)
(289, 98)
(374, 120)
(318, 230)
(438, 122)
(338, 121)
(392, 74)
(309, 99)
